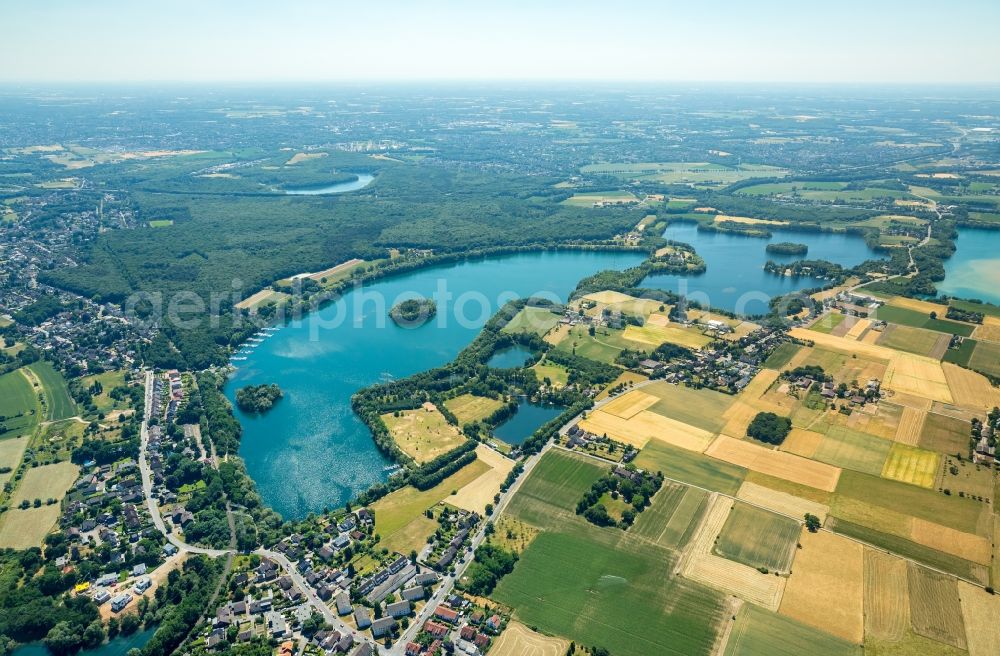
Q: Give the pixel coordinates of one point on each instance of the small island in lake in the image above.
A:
(787, 248)
(258, 398)
(413, 312)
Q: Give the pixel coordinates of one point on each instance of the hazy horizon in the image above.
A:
(305, 41)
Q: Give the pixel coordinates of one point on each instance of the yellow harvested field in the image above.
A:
(654, 335)
(802, 442)
(475, 495)
(911, 422)
(303, 157)
(469, 407)
(11, 452)
(911, 465)
(919, 375)
(775, 463)
(424, 433)
(747, 220)
(989, 331)
(23, 529)
(740, 331)
(911, 401)
(887, 598)
(645, 426)
(657, 319)
(860, 326)
(609, 297)
(781, 502)
(970, 389)
(628, 405)
(699, 563)
(45, 482)
(935, 607)
(738, 417)
(827, 567)
(917, 305)
(870, 337)
(980, 610)
(260, 298)
(334, 270)
(760, 384)
(519, 640)
(943, 538)
(557, 334)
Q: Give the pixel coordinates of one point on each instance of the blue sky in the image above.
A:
(306, 40)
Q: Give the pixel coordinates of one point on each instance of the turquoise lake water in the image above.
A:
(974, 270)
(529, 418)
(510, 358)
(339, 188)
(311, 451)
(120, 646)
(735, 279)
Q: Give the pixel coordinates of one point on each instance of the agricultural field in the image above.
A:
(259, 299)
(672, 516)
(912, 465)
(596, 198)
(519, 640)
(775, 463)
(59, 404)
(792, 501)
(652, 335)
(887, 598)
(603, 346)
(693, 173)
(782, 355)
(702, 408)
(45, 482)
(469, 407)
(19, 404)
(534, 320)
(23, 529)
(556, 484)
(424, 433)
(689, 467)
(914, 340)
(935, 608)
(476, 495)
(907, 316)
(758, 538)
(826, 323)
(758, 632)
(980, 610)
(645, 426)
(852, 449)
(827, 567)
(944, 434)
(986, 358)
(11, 452)
(400, 516)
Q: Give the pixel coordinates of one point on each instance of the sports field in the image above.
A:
(758, 632)
(694, 468)
(532, 320)
(758, 538)
(672, 515)
(424, 433)
(468, 408)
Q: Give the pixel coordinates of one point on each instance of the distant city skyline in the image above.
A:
(883, 41)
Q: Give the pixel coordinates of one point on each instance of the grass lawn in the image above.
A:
(396, 510)
(691, 467)
(558, 374)
(532, 320)
(758, 538)
(19, 403)
(759, 632)
(109, 380)
(913, 318)
(59, 404)
(469, 407)
(782, 355)
(603, 346)
(597, 589)
(698, 407)
(827, 322)
(423, 434)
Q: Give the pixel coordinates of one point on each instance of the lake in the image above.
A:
(511, 357)
(362, 181)
(974, 270)
(735, 279)
(311, 451)
(119, 646)
(528, 418)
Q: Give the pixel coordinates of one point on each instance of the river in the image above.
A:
(362, 181)
(311, 451)
(735, 279)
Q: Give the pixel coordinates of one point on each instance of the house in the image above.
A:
(276, 624)
(435, 629)
(287, 648)
(446, 614)
(120, 602)
(426, 578)
(215, 639)
(493, 623)
(383, 626)
(398, 609)
(364, 649)
(416, 593)
(101, 596)
(468, 632)
(142, 584)
(481, 640)
(362, 618)
(343, 602)
(413, 649)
